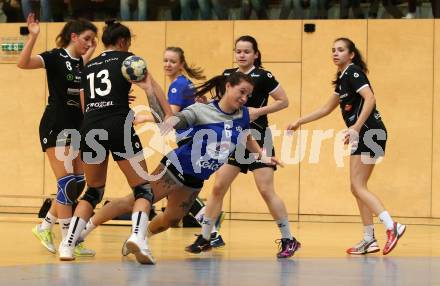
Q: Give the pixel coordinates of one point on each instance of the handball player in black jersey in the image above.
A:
(367, 134)
(76, 44)
(107, 118)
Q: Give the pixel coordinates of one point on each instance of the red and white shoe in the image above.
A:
(393, 235)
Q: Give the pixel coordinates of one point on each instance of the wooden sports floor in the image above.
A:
(247, 259)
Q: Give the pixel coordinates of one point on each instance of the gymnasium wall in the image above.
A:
(404, 61)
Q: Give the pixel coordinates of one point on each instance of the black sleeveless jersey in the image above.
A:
(348, 85)
(105, 88)
(63, 72)
(265, 83)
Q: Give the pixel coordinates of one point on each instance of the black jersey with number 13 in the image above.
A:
(105, 89)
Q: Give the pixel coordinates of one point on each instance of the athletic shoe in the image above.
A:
(81, 251)
(45, 237)
(287, 247)
(217, 240)
(364, 247)
(66, 252)
(393, 235)
(199, 245)
(139, 248)
(124, 250)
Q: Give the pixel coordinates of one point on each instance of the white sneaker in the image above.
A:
(139, 248)
(66, 252)
(124, 250)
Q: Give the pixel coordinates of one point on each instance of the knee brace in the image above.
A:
(67, 192)
(93, 195)
(80, 183)
(143, 192)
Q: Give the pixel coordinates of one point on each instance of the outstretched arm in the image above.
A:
(253, 147)
(156, 98)
(325, 110)
(26, 60)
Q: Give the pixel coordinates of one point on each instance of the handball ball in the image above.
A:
(134, 68)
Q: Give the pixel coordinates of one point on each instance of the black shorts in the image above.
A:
(187, 180)
(51, 135)
(99, 137)
(265, 141)
(372, 142)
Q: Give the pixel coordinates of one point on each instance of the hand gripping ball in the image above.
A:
(134, 68)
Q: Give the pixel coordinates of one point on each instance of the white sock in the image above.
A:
(284, 226)
(48, 221)
(206, 228)
(139, 222)
(64, 226)
(386, 219)
(77, 224)
(368, 232)
(85, 232)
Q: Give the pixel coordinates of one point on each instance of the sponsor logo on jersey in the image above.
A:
(64, 56)
(73, 91)
(96, 105)
(210, 164)
(343, 95)
(255, 75)
(71, 102)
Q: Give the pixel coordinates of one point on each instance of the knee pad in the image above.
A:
(80, 183)
(143, 192)
(93, 195)
(67, 191)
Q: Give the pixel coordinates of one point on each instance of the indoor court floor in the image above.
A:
(247, 259)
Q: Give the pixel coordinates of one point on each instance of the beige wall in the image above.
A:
(404, 62)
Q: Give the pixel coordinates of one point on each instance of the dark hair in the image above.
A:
(113, 32)
(250, 39)
(192, 71)
(73, 26)
(357, 59)
(218, 84)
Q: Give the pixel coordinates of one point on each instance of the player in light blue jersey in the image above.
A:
(214, 131)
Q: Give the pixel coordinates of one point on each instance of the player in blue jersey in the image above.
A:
(76, 44)
(367, 135)
(214, 131)
(181, 95)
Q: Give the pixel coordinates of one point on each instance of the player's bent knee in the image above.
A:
(143, 191)
(67, 192)
(93, 195)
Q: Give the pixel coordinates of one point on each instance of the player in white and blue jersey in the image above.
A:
(214, 131)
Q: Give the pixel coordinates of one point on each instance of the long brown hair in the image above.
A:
(192, 71)
(74, 26)
(357, 59)
(217, 85)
